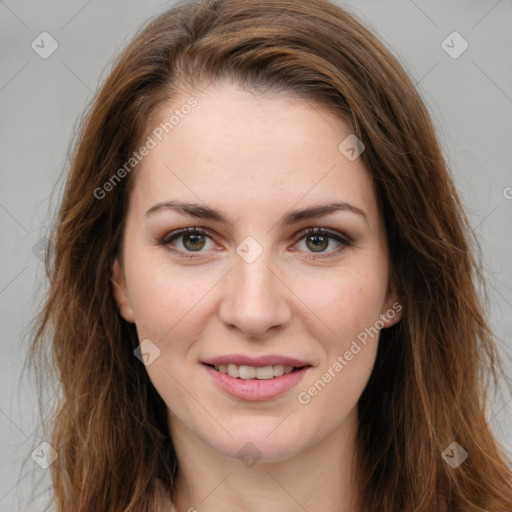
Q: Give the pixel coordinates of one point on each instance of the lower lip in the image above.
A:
(255, 389)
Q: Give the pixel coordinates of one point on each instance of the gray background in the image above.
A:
(41, 100)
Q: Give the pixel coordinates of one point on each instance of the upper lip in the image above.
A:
(265, 360)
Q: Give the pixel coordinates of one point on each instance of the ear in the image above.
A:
(120, 292)
(392, 310)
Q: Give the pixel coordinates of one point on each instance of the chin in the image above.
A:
(269, 439)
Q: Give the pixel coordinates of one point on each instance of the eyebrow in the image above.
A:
(202, 211)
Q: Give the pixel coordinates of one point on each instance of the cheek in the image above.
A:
(347, 309)
(174, 304)
(169, 302)
(171, 308)
(345, 303)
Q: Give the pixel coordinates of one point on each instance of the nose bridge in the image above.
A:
(254, 280)
(255, 300)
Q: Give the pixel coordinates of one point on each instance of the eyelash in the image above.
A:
(343, 240)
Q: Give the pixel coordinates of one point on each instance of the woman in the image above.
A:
(262, 288)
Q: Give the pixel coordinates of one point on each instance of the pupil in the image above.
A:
(319, 242)
(193, 242)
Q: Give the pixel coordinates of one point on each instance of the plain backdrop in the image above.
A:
(467, 90)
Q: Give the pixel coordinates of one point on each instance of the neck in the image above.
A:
(320, 477)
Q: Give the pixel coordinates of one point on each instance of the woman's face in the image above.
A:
(294, 312)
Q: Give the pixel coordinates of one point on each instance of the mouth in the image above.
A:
(259, 378)
(247, 372)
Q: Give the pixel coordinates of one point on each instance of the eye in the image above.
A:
(319, 240)
(188, 240)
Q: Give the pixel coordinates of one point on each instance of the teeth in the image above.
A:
(265, 373)
(254, 372)
(247, 372)
(278, 370)
(233, 370)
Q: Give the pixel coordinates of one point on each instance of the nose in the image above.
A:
(256, 302)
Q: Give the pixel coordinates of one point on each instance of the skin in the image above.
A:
(255, 158)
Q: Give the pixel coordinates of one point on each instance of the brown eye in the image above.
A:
(323, 242)
(317, 243)
(188, 240)
(194, 242)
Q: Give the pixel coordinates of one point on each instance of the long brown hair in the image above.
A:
(433, 371)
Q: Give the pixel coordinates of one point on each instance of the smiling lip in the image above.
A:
(256, 389)
(268, 360)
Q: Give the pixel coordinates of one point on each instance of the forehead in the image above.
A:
(237, 149)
